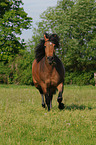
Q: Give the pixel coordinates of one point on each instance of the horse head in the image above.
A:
(49, 50)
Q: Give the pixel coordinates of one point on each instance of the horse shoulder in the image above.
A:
(34, 68)
(35, 72)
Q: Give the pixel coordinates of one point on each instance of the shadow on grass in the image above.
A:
(73, 107)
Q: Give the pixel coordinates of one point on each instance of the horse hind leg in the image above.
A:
(60, 89)
(41, 92)
(59, 99)
(51, 101)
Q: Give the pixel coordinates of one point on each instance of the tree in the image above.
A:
(13, 19)
(82, 34)
(75, 23)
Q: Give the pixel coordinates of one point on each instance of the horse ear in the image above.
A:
(46, 39)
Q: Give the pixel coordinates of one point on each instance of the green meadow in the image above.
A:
(24, 122)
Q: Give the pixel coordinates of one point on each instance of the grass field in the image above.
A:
(24, 122)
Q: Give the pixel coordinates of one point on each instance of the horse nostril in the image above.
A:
(50, 58)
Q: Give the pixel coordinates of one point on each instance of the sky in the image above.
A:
(34, 8)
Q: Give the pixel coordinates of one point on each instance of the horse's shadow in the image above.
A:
(73, 107)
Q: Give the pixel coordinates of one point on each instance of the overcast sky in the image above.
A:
(34, 8)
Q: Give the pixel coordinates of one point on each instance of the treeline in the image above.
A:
(75, 24)
(14, 58)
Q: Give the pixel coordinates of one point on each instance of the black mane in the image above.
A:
(40, 49)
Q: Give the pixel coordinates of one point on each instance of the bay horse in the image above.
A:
(48, 70)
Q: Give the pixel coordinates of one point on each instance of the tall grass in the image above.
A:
(24, 122)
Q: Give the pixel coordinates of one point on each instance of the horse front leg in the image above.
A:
(47, 98)
(43, 103)
(51, 96)
(59, 99)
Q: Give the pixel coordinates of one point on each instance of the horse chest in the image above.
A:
(49, 77)
(51, 80)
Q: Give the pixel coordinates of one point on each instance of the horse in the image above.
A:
(48, 71)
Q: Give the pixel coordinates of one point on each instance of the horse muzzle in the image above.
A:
(50, 59)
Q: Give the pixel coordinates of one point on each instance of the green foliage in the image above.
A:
(75, 23)
(4, 73)
(13, 19)
(13, 55)
(23, 73)
(80, 78)
(18, 71)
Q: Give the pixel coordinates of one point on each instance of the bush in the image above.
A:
(18, 71)
(23, 73)
(4, 73)
(80, 78)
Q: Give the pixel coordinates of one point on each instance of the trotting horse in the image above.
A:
(48, 70)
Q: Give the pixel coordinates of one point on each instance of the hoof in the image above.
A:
(48, 108)
(43, 105)
(61, 106)
(59, 99)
